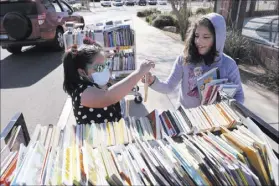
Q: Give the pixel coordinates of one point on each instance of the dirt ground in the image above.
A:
(250, 74)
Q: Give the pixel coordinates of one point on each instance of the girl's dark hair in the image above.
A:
(75, 59)
(191, 53)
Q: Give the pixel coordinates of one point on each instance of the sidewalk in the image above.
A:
(153, 44)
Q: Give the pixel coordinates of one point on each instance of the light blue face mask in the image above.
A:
(101, 78)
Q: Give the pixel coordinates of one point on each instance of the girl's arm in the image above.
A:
(174, 78)
(99, 98)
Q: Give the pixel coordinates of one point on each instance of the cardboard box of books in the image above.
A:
(141, 151)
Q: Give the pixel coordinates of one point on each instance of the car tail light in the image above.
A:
(41, 18)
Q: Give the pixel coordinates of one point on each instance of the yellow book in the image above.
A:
(253, 157)
(67, 167)
(108, 134)
(116, 133)
(121, 130)
(91, 166)
(76, 167)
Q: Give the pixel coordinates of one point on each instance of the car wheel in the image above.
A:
(14, 49)
(13, 22)
(58, 42)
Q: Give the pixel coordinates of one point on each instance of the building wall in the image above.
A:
(268, 56)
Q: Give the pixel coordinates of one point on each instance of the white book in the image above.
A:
(7, 162)
(219, 116)
(48, 138)
(128, 127)
(18, 176)
(141, 163)
(85, 162)
(231, 112)
(203, 119)
(135, 178)
(143, 126)
(5, 153)
(182, 121)
(21, 155)
(34, 166)
(211, 116)
(112, 133)
(192, 119)
(134, 128)
(125, 131)
(178, 123)
(43, 134)
(96, 136)
(100, 167)
(150, 131)
(91, 133)
(83, 133)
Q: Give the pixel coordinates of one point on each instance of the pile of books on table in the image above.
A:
(66, 157)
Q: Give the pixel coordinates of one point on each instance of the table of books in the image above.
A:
(209, 145)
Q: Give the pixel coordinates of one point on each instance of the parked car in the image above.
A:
(71, 1)
(34, 22)
(106, 3)
(142, 2)
(152, 2)
(130, 2)
(162, 2)
(118, 3)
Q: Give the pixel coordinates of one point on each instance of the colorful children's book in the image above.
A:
(206, 78)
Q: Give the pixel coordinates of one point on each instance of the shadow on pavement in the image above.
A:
(137, 110)
(29, 67)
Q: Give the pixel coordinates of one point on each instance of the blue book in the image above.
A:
(206, 78)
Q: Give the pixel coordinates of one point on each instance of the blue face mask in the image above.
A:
(101, 78)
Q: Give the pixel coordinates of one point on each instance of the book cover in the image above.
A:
(206, 78)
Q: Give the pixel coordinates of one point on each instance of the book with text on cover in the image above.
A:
(206, 78)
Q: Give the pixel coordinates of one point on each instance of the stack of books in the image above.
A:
(123, 60)
(68, 157)
(209, 85)
(199, 119)
(121, 35)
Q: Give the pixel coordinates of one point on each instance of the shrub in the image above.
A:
(204, 11)
(140, 14)
(164, 20)
(148, 12)
(189, 11)
(76, 7)
(150, 18)
(239, 47)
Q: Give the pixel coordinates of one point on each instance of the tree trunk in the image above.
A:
(181, 12)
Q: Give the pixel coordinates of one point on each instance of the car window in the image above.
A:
(65, 7)
(57, 7)
(48, 5)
